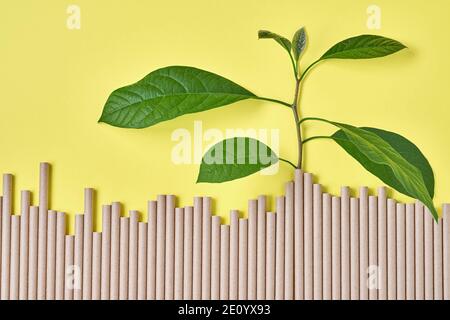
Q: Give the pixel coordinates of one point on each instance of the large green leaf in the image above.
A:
(363, 47)
(392, 158)
(285, 43)
(299, 43)
(168, 93)
(235, 158)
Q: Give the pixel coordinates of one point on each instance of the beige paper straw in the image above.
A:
(327, 251)
(33, 253)
(373, 282)
(289, 243)
(410, 254)
(179, 237)
(308, 240)
(78, 258)
(170, 247)
(279, 250)
(317, 236)
(428, 254)
(419, 247)
(68, 267)
(224, 261)
(206, 249)
(270, 256)
(197, 250)
(160, 246)
(124, 255)
(51, 255)
(115, 250)
(363, 243)
(243, 259)
(438, 263)
(142, 262)
(298, 236)
(336, 248)
(87, 243)
(60, 248)
(345, 243)
(151, 250)
(215, 257)
(42, 233)
(24, 229)
(382, 244)
(234, 254)
(187, 252)
(6, 236)
(96, 265)
(15, 243)
(354, 249)
(391, 250)
(261, 250)
(401, 250)
(106, 252)
(252, 248)
(446, 249)
(133, 255)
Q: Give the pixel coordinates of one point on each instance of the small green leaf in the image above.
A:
(390, 157)
(285, 43)
(363, 47)
(235, 158)
(299, 43)
(168, 93)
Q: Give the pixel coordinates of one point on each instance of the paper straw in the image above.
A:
(410, 260)
(336, 248)
(261, 250)
(391, 250)
(60, 254)
(308, 240)
(252, 248)
(206, 249)
(179, 237)
(279, 260)
(428, 254)
(401, 250)
(124, 255)
(78, 258)
(446, 249)
(197, 250)
(115, 250)
(373, 281)
(96, 265)
(160, 246)
(15, 243)
(317, 236)
(243, 259)
(33, 253)
(68, 267)
(151, 250)
(298, 236)
(170, 247)
(438, 262)
(87, 244)
(24, 231)
(363, 243)
(51, 255)
(215, 257)
(382, 244)
(270, 255)
(42, 233)
(327, 251)
(419, 252)
(187, 252)
(142, 262)
(6, 236)
(133, 255)
(289, 243)
(345, 243)
(354, 249)
(234, 254)
(224, 261)
(106, 252)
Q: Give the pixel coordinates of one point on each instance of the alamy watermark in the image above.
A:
(374, 17)
(73, 21)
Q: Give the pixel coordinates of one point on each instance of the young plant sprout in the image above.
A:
(174, 91)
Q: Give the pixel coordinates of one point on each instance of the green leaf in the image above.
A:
(392, 158)
(235, 158)
(299, 43)
(285, 43)
(363, 47)
(168, 93)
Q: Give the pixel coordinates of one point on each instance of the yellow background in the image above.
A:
(54, 82)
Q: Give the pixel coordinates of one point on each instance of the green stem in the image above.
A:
(313, 118)
(287, 161)
(294, 66)
(275, 101)
(307, 69)
(316, 137)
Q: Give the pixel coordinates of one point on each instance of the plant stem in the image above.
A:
(297, 123)
(274, 100)
(316, 137)
(287, 161)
